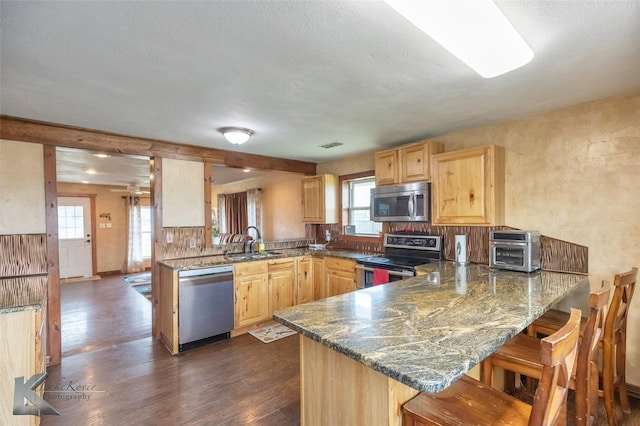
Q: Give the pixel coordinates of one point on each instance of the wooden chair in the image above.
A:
(522, 355)
(469, 402)
(613, 341)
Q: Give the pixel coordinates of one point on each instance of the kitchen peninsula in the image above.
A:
(365, 353)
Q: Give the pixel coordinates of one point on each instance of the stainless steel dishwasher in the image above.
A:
(205, 305)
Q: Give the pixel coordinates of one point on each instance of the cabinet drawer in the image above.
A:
(250, 268)
(282, 264)
(336, 263)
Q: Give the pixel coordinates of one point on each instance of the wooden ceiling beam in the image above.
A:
(25, 130)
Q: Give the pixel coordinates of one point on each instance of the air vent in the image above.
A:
(331, 145)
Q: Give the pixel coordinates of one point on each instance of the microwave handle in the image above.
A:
(412, 203)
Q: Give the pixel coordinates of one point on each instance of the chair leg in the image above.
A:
(621, 372)
(608, 372)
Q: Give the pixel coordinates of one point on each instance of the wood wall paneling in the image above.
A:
(19, 129)
(54, 336)
(157, 251)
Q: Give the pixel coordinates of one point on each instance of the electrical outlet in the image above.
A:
(169, 237)
(192, 243)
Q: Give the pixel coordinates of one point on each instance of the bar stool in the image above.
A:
(522, 355)
(613, 342)
(469, 402)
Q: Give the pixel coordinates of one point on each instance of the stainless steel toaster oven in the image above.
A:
(515, 250)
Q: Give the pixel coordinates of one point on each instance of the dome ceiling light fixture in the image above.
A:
(236, 135)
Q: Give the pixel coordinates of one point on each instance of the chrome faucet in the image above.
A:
(248, 245)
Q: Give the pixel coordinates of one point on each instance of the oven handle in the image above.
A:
(402, 274)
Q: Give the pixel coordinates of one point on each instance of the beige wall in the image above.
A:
(346, 166)
(21, 188)
(110, 242)
(182, 193)
(281, 203)
(573, 174)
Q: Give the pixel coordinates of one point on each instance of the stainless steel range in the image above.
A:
(402, 253)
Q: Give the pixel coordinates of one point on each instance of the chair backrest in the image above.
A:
(558, 354)
(586, 374)
(616, 321)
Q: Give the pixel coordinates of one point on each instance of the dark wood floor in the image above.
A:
(107, 344)
(132, 379)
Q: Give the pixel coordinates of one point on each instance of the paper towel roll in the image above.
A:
(461, 249)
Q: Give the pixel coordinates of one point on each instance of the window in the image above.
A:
(145, 226)
(70, 222)
(356, 193)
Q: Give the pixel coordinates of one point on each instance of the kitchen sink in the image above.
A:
(251, 256)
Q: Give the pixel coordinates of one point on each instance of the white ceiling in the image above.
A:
(299, 73)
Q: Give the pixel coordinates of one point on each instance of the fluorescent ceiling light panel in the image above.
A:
(475, 31)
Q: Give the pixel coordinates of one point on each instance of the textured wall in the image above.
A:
(21, 188)
(346, 166)
(573, 174)
(182, 193)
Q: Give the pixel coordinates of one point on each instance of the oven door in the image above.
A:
(364, 275)
(510, 255)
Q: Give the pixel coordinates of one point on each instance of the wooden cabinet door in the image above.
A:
(339, 282)
(415, 161)
(468, 187)
(387, 167)
(251, 293)
(282, 284)
(312, 199)
(305, 280)
(320, 199)
(167, 311)
(319, 287)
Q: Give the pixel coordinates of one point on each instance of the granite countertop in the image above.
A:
(219, 260)
(427, 331)
(19, 308)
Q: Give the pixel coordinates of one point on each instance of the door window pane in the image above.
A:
(70, 222)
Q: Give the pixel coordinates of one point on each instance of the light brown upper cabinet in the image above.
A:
(320, 199)
(468, 187)
(408, 163)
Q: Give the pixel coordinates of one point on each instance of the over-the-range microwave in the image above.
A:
(408, 202)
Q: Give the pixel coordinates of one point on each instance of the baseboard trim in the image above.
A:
(119, 272)
(110, 273)
(633, 391)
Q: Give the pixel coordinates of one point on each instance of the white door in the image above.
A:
(74, 233)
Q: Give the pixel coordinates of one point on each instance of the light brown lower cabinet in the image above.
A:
(282, 283)
(304, 266)
(251, 287)
(22, 354)
(341, 275)
(319, 284)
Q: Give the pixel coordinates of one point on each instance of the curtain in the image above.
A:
(222, 223)
(235, 212)
(254, 208)
(133, 261)
(238, 211)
